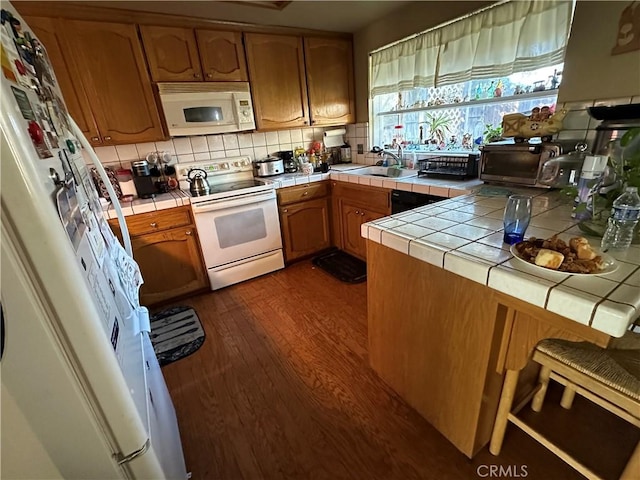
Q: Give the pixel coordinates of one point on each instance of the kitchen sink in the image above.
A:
(387, 172)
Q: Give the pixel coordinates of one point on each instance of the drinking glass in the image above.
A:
(517, 215)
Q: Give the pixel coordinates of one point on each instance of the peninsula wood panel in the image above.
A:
(434, 343)
(72, 90)
(278, 82)
(111, 66)
(329, 66)
(172, 53)
(222, 56)
(527, 329)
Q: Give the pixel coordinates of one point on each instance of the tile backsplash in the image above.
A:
(579, 126)
(256, 145)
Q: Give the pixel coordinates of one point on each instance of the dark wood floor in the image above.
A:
(281, 389)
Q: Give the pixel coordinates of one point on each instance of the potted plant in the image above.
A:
(492, 134)
(438, 124)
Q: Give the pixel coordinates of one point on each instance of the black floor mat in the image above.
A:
(175, 334)
(343, 266)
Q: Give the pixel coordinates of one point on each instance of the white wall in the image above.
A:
(590, 71)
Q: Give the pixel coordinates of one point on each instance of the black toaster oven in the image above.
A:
(516, 163)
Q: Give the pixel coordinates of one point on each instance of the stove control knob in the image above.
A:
(237, 164)
(224, 166)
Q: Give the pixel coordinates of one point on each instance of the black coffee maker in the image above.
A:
(142, 179)
(288, 161)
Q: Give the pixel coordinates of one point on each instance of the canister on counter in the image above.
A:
(345, 153)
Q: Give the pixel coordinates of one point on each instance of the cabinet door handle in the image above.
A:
(209, 75)
(305, 122)
(362, 214)
(313, 122)
(305, 193)
(95, 139)
(107, 138)
(196, 75)
(357, 212)
(286, 210)
(188, 232)
(154, 224)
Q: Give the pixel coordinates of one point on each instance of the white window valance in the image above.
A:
(515, 36)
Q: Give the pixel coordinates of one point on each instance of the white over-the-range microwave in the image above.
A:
(206, 108)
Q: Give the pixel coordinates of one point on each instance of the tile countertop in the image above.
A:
(174, 198)
(439, 187)
(464, 235)
(348, 172)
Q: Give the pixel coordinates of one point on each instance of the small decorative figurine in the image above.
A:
(541, 123)
(498, 91)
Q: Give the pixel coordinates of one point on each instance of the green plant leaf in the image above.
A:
(629, 136)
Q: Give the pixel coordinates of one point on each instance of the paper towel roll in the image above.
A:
(333, 138)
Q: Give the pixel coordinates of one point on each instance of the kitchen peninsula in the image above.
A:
(450, 309)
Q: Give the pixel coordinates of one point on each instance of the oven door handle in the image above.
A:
(224, 203)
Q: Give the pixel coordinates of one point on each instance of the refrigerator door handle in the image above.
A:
(122, 459)
(107, 183)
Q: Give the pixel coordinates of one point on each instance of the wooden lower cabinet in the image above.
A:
(352, 206)
(353, 216)
(168, 255)
(443, 342)
(304, 220)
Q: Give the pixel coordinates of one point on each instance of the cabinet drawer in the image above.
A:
(301, 193)
(143, 223)
(373, 198)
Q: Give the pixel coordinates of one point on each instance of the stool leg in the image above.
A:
(504, 408)
(631, 471)
(538, 398)
(568, 395)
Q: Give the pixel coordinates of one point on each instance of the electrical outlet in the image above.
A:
(360, 148)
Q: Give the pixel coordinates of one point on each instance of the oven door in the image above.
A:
(239, 227)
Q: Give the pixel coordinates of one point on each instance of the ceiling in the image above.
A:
(336, 16)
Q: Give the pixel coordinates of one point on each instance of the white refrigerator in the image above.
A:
(82, 394)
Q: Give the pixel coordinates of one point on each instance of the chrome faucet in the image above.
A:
(396, 157)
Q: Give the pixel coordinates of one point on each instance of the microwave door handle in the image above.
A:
(236, 113)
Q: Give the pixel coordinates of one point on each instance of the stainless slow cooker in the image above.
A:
(268, 167)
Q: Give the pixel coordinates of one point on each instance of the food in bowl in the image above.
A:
(555, 254)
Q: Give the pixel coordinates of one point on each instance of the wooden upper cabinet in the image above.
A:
(278, 83)
(329, 65)
(110, 63)
(222, 56)
(71, 87)
(172, 53)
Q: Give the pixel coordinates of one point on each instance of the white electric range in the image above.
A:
(237, 221)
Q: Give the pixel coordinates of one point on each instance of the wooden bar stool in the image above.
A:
(609, 377)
